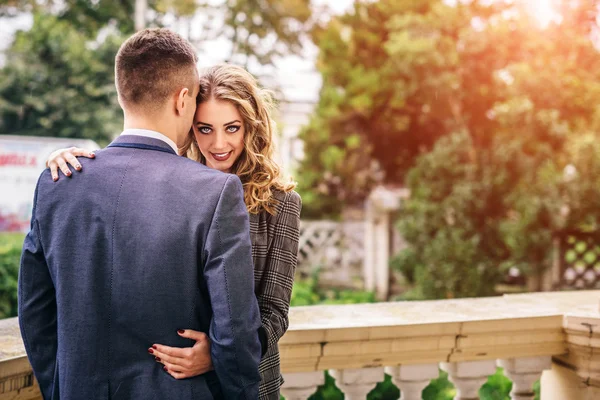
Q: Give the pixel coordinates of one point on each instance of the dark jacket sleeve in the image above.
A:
(229, 275)
(37, 308)
(278, 277)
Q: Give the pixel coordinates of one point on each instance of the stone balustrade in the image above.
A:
(555, 336)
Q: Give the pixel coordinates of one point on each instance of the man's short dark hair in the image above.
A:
(152, 65)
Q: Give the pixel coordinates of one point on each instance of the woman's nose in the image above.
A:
(220, 141)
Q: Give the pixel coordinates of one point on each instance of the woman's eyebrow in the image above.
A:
(203, 123)
(232, 122)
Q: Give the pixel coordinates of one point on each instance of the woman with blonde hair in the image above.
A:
(233, 133)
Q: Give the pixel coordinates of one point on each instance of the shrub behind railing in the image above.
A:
(10, 254)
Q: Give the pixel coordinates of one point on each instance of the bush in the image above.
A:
(473, 213)
(307, 292)
(10, 254)
(452, 220)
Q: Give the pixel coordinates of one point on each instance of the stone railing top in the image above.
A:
(354, 336)
(388, 334)
(11, 345)
(392, 318)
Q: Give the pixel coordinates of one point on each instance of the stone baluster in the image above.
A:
(301, 385)
(469, 376)
(412, 379)
(524, 372)
(357, 383)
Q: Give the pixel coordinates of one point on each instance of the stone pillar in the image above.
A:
(562, 383)
(369, 259)
(524, 372)
(141, 7)
(412, 379)
(382, 255)
(301, 385)
(576, 374)
(381, 203)
(357, 383)
(469, 376)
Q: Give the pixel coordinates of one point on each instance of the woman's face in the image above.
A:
(219, 132)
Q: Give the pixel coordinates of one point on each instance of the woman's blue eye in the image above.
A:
(233, 128)
(204, 129)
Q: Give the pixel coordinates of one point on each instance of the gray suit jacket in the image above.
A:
(275, 252)
(121, 256)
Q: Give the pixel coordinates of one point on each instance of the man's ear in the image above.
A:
(183, 101)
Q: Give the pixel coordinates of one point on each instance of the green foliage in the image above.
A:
(385, 390)
(304, 293)
(559, 195)
(398, 75)
(307, 292)
(328, 391)
(497, 387)
(10, 255)
(85, 16)
(265, 30)
(475, 212)
(388, 81)
(59, 76)
(451, 217)
(440, 388)
(258, 30)
(58, 82)
(478, 113)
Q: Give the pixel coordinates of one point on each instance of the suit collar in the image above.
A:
(142, 142)
(151, 134)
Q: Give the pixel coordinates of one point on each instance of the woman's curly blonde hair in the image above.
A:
(256, 168)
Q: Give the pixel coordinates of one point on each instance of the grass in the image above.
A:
(9, 239)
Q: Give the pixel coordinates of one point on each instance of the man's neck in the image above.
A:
(133, 122)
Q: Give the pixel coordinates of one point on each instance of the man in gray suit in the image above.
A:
(126, 253)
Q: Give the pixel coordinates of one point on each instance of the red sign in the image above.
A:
(18, 159)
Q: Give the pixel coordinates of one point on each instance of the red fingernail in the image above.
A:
(157, 359)
(180, 331)
(150, 351)
(54, 179)
(154, 346)
(166, 369)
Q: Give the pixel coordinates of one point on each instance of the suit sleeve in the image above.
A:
(278, 276)
(37, 308)
(229, 275)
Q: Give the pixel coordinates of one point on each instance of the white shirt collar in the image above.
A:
(151, 134)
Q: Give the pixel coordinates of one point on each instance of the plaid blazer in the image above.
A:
(275, 253)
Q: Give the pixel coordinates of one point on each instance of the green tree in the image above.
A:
(85, 16)
(399, 75)
(390, 90)
(477, 108)
(59, 78)
(392, 85)
(57, 82)
(452, 218)
(264, 30)
(494, 197)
